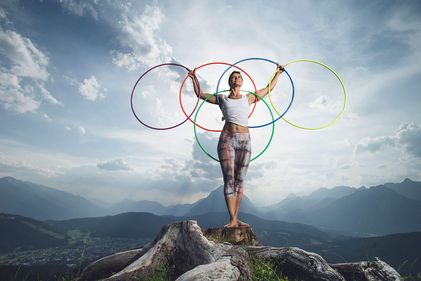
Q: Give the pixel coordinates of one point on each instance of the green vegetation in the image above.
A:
(412, 277)
(68, 277)
(409, 271)
(42, 229)
(77, 236)
(162, 273)
(263, 270)
(222, 240)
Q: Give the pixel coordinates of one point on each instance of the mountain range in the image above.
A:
(378, 210)
(19, 232)
(27, 233)
(41, 202)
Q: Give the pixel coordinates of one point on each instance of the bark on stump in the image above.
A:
(296, 263)
(233, 235)
(367, 271)
(109, 265)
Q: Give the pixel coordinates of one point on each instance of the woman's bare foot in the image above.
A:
(229, 225)
(243, 224)
(232, 224)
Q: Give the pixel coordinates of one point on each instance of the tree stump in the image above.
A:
(234, 235)
(184, 249)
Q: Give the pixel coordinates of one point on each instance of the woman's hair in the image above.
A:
(232, 73)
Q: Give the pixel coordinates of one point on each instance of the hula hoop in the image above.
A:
(203, 65)
(267, 60)
(134, 87)
(216, 159)
(336, 117)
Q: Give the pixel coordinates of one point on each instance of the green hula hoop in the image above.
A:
(216, 159)
(337, 116)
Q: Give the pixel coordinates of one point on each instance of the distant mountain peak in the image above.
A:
(292, 195)
(9, 179)
(407, 180)
(42, 202)
(217, 190)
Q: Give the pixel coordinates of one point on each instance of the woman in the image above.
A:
(234, 147)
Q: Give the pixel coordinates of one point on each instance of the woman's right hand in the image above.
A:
(192, 73)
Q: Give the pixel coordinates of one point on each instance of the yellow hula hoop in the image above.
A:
(309, 128)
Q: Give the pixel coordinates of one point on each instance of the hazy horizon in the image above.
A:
(98, 201)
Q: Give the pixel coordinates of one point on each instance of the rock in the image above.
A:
(186, 254)
(235, 235)
(367, 271)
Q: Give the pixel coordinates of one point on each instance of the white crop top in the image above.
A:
(235, 110)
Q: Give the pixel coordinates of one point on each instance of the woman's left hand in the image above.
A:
(280, 68)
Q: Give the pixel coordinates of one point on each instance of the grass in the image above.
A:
(223, 240)
(45, 231)
(412, 277)
(162, 273)
(263, 270)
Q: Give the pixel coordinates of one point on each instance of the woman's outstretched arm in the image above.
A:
(198, 92)
(263, 92)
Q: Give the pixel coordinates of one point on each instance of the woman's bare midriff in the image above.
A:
(235, 128)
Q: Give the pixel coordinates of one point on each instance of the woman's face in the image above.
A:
(236, 80)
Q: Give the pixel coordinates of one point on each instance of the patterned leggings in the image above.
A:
(234, 151)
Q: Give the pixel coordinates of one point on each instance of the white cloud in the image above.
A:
(26, 66)
(82, 130)
(125, 60)
(146, 138)
(11, 165)
(13, 96)
(27, 161)
(26, 60)
(80, 8)
(408, 26)
(75, 128)
(91, 89)
(139, 35)
(114, 165)
(47, 95)
(47, 117)
(324, 103)
(409, 136)
(406, 137)
(3, 15)
(373, 144)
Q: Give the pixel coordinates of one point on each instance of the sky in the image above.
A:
(68, 69)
